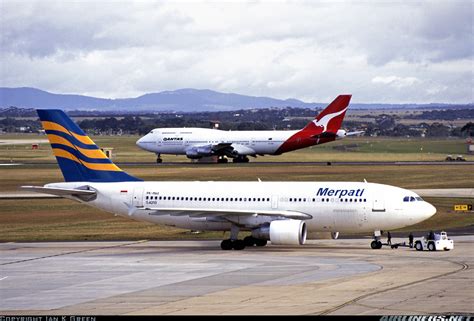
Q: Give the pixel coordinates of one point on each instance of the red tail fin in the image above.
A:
(330, 119)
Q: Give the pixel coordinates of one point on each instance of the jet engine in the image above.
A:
(199, 151)
(283, 232)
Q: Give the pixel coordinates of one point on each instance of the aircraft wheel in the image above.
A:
(238, 245)
(226, 245)
(249, 241)
(374, 245)
(159, 160)
(260, 242)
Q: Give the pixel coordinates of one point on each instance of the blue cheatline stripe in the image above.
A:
(79, 155)
(58, 116)
(71, 139)
(75, 172)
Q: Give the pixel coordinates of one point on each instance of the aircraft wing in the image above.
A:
(226, 149)
(221, 146)
(204, 212)
(60, 191)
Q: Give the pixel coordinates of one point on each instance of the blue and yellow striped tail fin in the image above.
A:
(79, 158)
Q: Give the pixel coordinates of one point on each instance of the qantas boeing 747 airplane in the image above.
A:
(197, 143)
(280, 212)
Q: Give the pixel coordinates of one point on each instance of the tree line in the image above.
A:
(255, 119)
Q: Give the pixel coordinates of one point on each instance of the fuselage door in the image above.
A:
(378, 203)
(138, 197)
(274, 202)
(159, 140)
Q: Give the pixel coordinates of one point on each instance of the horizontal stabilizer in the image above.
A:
(60, 191)
(355, 133)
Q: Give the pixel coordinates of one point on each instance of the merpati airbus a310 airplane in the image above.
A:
(280, 212)
(197, 143)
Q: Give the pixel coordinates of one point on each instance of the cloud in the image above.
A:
(395, 81)
(306, 50)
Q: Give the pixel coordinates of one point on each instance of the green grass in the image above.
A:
(64, 220)
(58, 219)
(349, 149)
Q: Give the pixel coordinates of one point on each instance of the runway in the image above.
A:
(196, 277)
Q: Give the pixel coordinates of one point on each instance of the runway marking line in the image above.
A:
(463, 267)
(74, 252)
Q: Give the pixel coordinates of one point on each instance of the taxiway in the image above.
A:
(196, 277)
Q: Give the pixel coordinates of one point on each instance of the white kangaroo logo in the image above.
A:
(324, 121)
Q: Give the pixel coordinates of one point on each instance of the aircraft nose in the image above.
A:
(429, 210)
(141, 142)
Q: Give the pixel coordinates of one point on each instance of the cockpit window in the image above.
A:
(412, 199)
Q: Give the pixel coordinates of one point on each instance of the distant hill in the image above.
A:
(181, 100)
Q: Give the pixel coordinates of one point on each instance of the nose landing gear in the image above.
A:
(376, 243)
(159, 160)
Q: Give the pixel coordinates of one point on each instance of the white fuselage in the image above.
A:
(333, 206)
(179, 140)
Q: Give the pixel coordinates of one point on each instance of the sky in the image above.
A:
(378, 51)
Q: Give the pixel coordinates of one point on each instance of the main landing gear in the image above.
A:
(159, 160)
(236, 244)
(241, 159)
(222, 160)
(376, 243)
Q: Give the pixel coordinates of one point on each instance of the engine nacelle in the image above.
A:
(341, 133)
(199, 151)
(283, 232)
